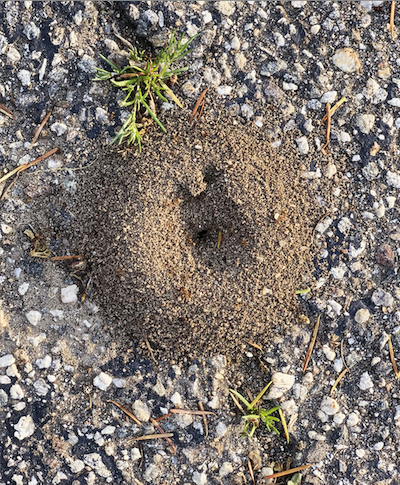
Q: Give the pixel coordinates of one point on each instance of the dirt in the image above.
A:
(200, 242)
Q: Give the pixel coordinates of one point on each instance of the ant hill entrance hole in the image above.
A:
(200, 241)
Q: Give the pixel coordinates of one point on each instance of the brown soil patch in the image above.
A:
(151, 224)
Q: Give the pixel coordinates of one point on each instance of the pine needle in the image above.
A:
(313, 339)
(341, 375)
(128, 413)
(27, 165)
(287, 472)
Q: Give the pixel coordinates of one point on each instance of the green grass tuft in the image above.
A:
(141, 79)
(255, 414)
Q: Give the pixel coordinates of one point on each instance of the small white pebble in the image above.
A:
(362, 315)
(6, 360)
(302, 145)
(108, 430)
(23, 289)
(69, 294)
(120, 383)
(226, 469)
(25, 77)
(24, 428)
(329, 406)
(360, 453)
(365, 382)
(176, 399)
(44, 363)
(378, 446)
(207, 17)
(338, 365)
(391, 201)
(16, 392)
(141, 410)
(329, 353)
(224, 90)
(6, 228)
(329, 97)
(221, 429)
(33, 317)
(102, 381)
(353, 420)
(339, 418)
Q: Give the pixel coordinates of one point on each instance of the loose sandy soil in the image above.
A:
(149, 224)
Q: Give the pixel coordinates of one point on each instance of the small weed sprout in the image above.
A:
(142, 78)
(255, 414)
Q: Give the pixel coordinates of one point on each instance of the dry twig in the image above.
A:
(128, 413)
(201, 100)
(163, 417)
(251, 470)
(162, 431)
(313, 339)
(151, 437)
(39, 129)
(6, 111)
(27, 165)
(256, 346)
(337, 105)
(62, 258)
(287, 472)
(204, 420)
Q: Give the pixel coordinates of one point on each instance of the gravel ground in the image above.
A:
(60, 365)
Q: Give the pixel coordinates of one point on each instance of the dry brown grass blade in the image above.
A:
(162, 431)
(256, 346)
(128, 413)
(196, 107)
(238, 405)
(6, 111)
(391, 353)
(62, 258)
(189, 411)
(251, 470)
(286, 472)
(204, 419)
(341, 375)
(392, 10)
(163, 417)
(27, 165)
(337, 105)
(151, 437)
(39, 129)
(313, 339)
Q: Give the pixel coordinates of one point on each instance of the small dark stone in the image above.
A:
(385, 256)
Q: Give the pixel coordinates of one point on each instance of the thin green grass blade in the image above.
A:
(260, 395)
(153, 115)
(239, 396)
